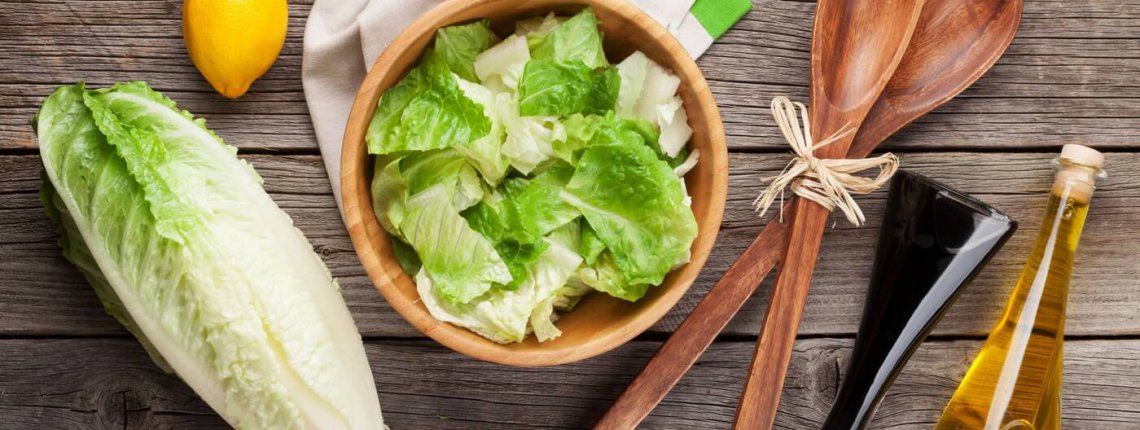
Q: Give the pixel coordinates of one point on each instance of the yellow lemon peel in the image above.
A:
(233, 42)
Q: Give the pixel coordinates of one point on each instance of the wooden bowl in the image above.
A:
(600, 322)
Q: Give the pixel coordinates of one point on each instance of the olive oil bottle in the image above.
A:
(1015, 382)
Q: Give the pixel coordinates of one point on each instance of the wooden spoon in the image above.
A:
(954, 44)
(856, 46)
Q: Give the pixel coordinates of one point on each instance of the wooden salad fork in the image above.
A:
(954, 43)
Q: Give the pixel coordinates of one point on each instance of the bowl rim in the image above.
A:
(362, 223)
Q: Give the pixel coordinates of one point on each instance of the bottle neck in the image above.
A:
(1078, 178)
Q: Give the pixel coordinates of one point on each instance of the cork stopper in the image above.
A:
(1081, 154)
(1079, 169)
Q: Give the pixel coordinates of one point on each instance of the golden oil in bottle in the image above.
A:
(1015, 382)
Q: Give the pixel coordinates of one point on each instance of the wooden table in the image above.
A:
(1071, 76)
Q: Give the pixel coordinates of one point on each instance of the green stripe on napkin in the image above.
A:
(717, 16)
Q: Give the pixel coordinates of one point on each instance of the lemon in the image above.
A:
(233, 42)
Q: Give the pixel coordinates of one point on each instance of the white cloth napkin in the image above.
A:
(344, 37)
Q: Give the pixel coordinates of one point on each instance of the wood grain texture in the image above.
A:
(1068, 73)
(110, 383)
(40, 293)
(1069, 77)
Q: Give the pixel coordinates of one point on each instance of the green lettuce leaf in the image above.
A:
(534, 207)
(605, 276)
(395, 179)
(460, 44)
(461, 262)
(530, 141)
(190, 253)
(632, 71)
(592, 246)
(405, 255)
(509, 315)
(426, 110)
(566, 297)
(577, 38)
(538, 26)
(447, 167)
(635, 204)
(566, 87)
(389, 191)
(486, 153)
(517, 254)
(504, 62)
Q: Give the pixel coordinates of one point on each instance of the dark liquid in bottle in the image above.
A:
(932, 242)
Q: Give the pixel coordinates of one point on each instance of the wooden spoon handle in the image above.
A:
(762, 388)
(694, 335)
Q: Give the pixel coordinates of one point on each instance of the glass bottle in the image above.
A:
(933, 241)
(1015, 382)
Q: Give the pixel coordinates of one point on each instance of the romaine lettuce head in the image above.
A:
(188, 251)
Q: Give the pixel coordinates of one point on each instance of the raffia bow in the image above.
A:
(826, 181)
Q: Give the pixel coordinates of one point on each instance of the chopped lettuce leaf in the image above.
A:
(605, 276)
(632, 71)
(538, 26)
(537, 207)
(659, 88)
(675, 130)
(592, 246)
(690, 162)
(486, 153)
(461, 262)
(517, 253)
(448, 167)
(460, 44)
(389, 191)
(648, 92)
(578, 38)
(405, 255)
(634, 202)
(567, 87)
(508, 315)
(542, 321)
(527, 209)
(504, 62)
(530, 140)
(568, 235)
(426, 110)
(567, 297)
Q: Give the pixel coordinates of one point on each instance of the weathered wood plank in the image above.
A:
(84, 383)
(1067, 77)
(40, 294)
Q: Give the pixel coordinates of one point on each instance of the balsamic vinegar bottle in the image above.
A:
(1015, 382)
(932, 242)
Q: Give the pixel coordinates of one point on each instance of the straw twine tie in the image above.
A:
(825, 181)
